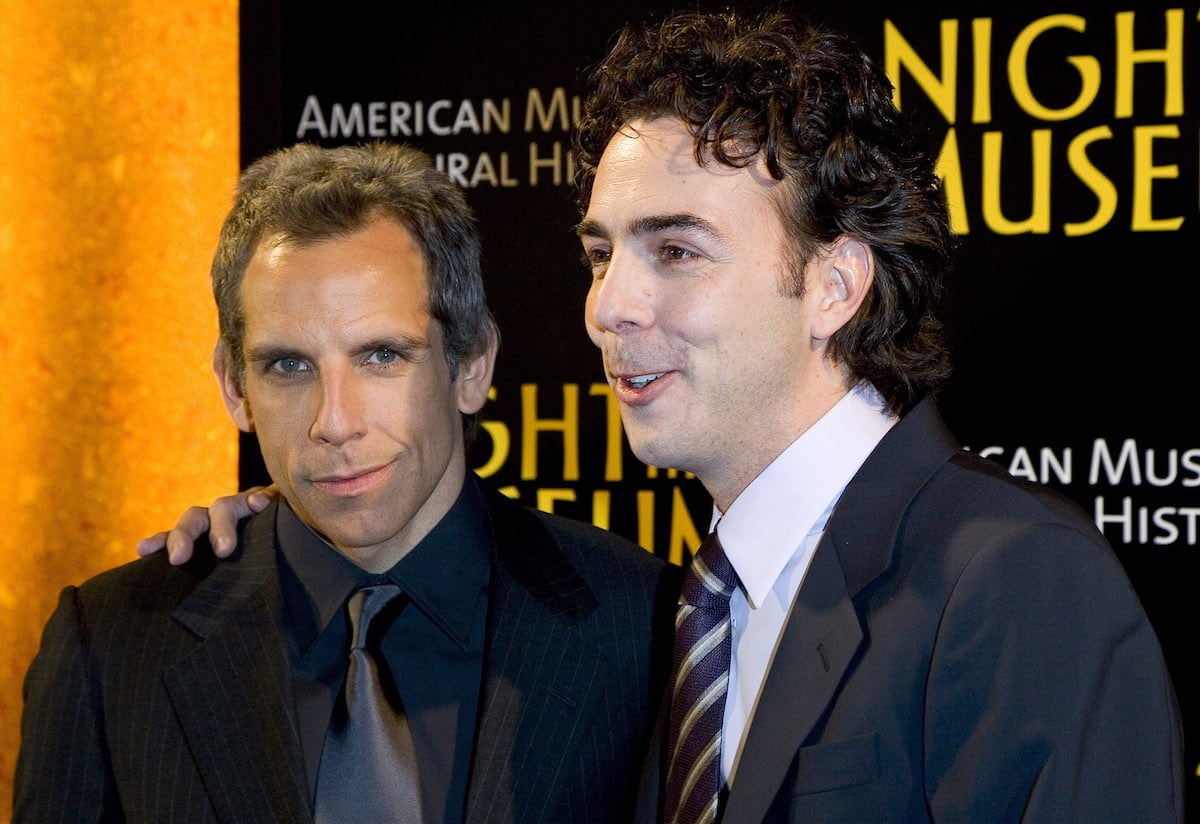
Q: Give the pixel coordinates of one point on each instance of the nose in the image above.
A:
(339, 415)
(619, 301)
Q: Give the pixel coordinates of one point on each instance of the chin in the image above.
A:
(640, 442)
(653, 450)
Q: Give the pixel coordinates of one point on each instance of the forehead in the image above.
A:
(651, 167)
(376, 271)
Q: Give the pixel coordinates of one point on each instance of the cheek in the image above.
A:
(278, 422)
(279, 451)
(699, 317)
(414, 411)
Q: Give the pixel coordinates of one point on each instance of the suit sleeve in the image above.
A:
(1048, 698)
(62, 773)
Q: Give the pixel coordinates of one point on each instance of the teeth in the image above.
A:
(642, 380)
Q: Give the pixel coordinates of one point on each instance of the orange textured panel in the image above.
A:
(119, 147)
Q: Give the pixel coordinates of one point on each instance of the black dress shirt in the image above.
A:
(434, 648)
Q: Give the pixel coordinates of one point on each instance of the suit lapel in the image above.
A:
(824, 630)
(539, 675)
(232, 692)
(818, 643)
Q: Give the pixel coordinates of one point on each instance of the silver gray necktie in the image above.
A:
(368, 769)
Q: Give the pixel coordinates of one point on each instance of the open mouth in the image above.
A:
(642, 381)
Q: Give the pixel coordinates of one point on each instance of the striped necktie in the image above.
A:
(701, 680)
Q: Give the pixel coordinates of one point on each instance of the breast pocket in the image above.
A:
(833, 765)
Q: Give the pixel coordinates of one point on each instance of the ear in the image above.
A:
(231, 389)
(840, 278)
(475, 378)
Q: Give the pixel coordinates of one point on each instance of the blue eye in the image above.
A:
(383, 356)
(289, 365)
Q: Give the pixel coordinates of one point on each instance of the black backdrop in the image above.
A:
(1071, 304)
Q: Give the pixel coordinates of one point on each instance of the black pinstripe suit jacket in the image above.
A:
(162, 694)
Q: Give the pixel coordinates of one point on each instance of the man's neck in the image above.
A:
(726, 489)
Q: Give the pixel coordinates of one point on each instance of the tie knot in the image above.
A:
(711, 579)
(364, 606)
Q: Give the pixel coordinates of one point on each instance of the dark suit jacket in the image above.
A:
(964, 648)
(162, 694)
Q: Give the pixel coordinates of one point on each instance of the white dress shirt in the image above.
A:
(770, 533)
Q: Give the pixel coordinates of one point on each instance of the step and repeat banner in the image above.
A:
(1068, 139)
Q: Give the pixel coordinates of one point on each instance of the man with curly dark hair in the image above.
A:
(910, 634)
(889, 629)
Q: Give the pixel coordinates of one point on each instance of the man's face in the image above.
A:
(348, 388)
(716, 371)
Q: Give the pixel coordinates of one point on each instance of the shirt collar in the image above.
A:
(794, 496)
(317, 579)
(447, 573)
(322, 578)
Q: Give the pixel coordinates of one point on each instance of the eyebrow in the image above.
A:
(270, 354)
(648, 225)
(405, 345)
